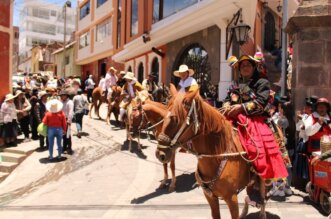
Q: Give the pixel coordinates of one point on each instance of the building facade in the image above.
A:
(71, 68)
(16, 34)
(6, 46)
(43, 23)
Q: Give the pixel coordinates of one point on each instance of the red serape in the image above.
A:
(269, 164)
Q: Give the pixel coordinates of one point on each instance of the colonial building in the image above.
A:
(157, 36)
(6, 46)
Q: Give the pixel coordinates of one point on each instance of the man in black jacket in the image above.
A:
(40, 113)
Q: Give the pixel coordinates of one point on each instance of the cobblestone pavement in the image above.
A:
(103, 180)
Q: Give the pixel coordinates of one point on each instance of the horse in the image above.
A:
(222, 170)
(113, 103)
(153, 113)
(161, 94)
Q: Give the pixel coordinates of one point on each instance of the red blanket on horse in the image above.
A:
(258, 139)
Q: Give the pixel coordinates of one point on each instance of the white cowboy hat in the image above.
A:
(130, 76)
(112, 69)
(54, 106)
(122, 72)
(41, 94)
(18, 92)
(9, 97)
(182, 69)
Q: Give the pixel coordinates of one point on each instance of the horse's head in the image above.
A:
(180, 125)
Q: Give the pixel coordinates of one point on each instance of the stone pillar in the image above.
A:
(310, 28)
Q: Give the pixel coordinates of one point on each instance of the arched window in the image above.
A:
(129, 68)
(196, 58)
(155, 69)
(269, 32)
(141, 72)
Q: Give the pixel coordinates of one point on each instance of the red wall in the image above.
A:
(4, 63)
(5, 12)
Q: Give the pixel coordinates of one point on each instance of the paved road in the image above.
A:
(103, 180)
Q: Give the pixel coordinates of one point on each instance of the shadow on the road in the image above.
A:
(41, 149)
(46, 160)
(185, 183)
(135, 149)
(256, 215)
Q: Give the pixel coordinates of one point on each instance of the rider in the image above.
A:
(110, 82)
(121, 81)
(248, 111)
(187, 82)
(129, 92)
(149, 83)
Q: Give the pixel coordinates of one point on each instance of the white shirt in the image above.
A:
(101, 83)
(187, 83)
(301, 124)
(110, 80)
(311, 128)
(68, 109)
(90, 83)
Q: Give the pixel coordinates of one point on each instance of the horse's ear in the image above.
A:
(189, 96)
(173, 90)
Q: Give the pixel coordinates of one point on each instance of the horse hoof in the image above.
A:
(131, 151)
(172, 188)
(162, 186)
(263, 216)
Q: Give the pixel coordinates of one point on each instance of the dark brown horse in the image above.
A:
(153, 113)
(193, 124)
(113, 103)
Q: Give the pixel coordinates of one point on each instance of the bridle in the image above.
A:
(184, 127)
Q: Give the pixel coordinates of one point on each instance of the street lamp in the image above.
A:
(66, 4)
(241, 31)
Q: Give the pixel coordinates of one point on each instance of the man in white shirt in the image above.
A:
(68, 109)
(187, 82)
(101, 82)
(89, 88)
(110, 82)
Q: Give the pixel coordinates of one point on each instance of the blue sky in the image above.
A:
(18, 4)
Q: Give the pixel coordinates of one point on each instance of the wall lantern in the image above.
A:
(241, 31)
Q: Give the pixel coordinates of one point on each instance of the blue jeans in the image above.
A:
(53, 133)
(79, 121)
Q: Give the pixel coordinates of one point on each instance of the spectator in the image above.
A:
(102, 81)
(23, 108)
(68, 109)
(40, 113)
(9, 118)
(34, 117)
(89, 88)
(56, 126)
(80, 105)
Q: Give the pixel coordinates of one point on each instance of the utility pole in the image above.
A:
(67, 4)
(284, 47)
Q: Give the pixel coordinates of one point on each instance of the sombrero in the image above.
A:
(54, 106)
(130, 76)
(9, 97)
(234, 62)
(182, 69)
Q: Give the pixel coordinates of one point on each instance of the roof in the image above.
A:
(61, 49)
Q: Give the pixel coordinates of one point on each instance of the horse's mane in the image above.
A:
(211, 121)
(155, 107)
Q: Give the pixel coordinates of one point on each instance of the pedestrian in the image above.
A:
(187, 82)
(34, 117)
(8, 115)
(55, 121)
(40, 113)
(80, 106)
(317, 125)
(68, 109)
(101, 82)
(89, 88)
(23, 108)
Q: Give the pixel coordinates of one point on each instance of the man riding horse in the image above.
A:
(149, 84)
(247, 106)
(110, 82)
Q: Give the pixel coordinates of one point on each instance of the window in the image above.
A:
(156, 68)
(84, 40)
(67, 60)
(119, 23)
(100, 2)
(85, 10)
(134, 17)
(53, 13)
(165, 8)
(103, 30)
(40, 13)
(141, 72)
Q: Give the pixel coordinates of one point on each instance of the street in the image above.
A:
(102, 179)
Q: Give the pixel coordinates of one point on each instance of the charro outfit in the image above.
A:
(110, 83)
(255, 135)
(149, 85)
(190, 84)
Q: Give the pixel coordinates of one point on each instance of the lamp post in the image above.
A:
(66, 4)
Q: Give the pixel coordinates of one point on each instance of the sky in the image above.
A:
(18, 5)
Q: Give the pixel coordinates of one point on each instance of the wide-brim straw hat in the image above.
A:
(18, 92)
(122, 72)
(234, 62)
(112, 69)
(54, 106)
(41, 94)
(182, 69)
(9, 97)
(130, 76)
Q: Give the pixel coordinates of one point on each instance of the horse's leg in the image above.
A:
(91, 108)
(214, 206)
(232, 203)
(165, 178)
(139, 145)
(99, 105)
(172, 186)
(263, 195)
(244, 212)
(110, 107)
(129, 137)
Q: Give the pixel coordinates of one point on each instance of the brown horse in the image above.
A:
(113, 103)
(153, 113)
(193, 124)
